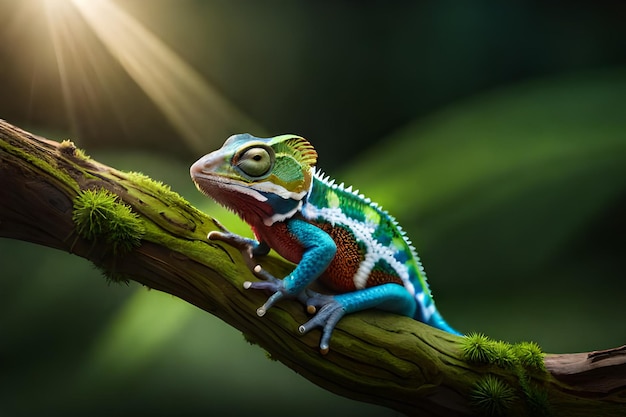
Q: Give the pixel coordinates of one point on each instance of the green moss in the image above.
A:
(529, 355)
(44, 162)
(111, 275)
(67, 147)
(535, 395)
(158, 203)
(98, 215)
(478, 348)
(492, 396)
(148, 183)
(156, 187)
(80, 154)
(537, 401)
(503, 354)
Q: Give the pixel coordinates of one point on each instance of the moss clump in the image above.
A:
(80, 154)
(529, 355)
(67, 147)
(112, 275)
(98, 215)
(477, 347)
(492, 396)
(503, 354)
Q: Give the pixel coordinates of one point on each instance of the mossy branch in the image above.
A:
(134, 228)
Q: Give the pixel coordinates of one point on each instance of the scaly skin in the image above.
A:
(330, 232)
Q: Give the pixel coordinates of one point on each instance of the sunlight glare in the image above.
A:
(198, 112)
(61, 27)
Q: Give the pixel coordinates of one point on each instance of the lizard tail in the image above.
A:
(437, 321)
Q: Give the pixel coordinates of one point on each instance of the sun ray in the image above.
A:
(85, 34)
(193, 107)
(58, 36)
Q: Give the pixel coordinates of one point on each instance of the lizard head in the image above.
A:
(261, 179)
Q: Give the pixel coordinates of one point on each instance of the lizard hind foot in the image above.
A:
(327, 318)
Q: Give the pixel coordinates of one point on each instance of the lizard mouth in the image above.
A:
(213, 185)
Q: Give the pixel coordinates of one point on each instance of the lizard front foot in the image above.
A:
(249, 248)
(271, 284)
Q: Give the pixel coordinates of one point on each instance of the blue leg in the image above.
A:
(390, 297)
(319, 251)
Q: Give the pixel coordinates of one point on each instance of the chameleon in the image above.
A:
(331, 232)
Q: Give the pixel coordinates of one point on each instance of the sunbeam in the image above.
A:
(198, 111)
(62, 42)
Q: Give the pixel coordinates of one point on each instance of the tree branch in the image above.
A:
(375, 357)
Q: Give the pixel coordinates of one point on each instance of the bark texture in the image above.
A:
(375, 357)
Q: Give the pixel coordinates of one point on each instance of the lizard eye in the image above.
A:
(255, 162)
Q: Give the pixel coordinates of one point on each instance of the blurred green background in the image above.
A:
(494, 132)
